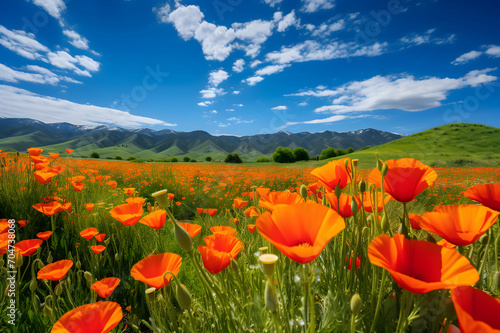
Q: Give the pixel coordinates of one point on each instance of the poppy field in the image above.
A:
(108, 246)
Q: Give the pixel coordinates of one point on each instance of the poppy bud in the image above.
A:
(33, 284)
(19, 261)
(338, 191)
(355, 162)
(384, 170)
(106, 242)
(380, 164)
(403, 230)
(496, 279)
(161, 198)
(117, 256)
(385, 223)
(356, 304)
(183, 296)
(58, 289)
(49, 258)
(70, 256)
(303, 191)
(354, 206)
(268, 261)
(36, 302)
(78, 264)
(182, 237)
(270, 297)
(47, 310)
(362, 186)
(150, 293)
(88, 276)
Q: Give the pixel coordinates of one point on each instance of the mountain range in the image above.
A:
(18, 134)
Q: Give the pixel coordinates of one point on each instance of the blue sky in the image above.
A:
(249, 67)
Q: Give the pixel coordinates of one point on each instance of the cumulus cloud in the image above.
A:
(273, 3)
(287, 21)
(402, 92)
(205, 103)
(236, 92)
(216, 77)
(76, 39)
(53, 7)
(255, 63)
(325, 29)
(22, 43)
(252, 81)
(18, 103)
(311, 6)
(466, 57)
(253, 34)
(271, 69)
(238, 65)
(211, 92)
(493, 50)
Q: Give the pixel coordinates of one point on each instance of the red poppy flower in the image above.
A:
(34, 151)
(100, 237)
(129, 191)
(99, 317)
(44, 235)
(334, 173)
(192, 229)
(262, 191)
(240, 203)
(113, 184)
(105, 287)
(128, 214)
(54, 155)
(23, 223)
(421, 266)
(29, 246)
(98, 248)
(487, 194)
(69, 151)
(251, 228)
(156, 219)
(201, 211)
(405, 178)
(55, 271)
(415, 221)
(48, 209)
(77, 186)
(151, 270)
(279, 198)
(223, 230)
(66, 207)
(459, 224)
(89, 233)
(342, 206)
(219, 250)
(212, 211)
(89, 206)
(170, 196)
(368, 201)
(252, 211)
(476, 310)
(44, 177)
(300, 231)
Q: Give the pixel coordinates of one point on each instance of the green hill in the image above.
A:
(457, 145)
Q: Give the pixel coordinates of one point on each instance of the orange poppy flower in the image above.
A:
(113, 184)
(192, 229)
(40, 160)
(89, 206)
(219, 250)
(49, 208)
(459, 224)
(235, 220)
(23, 223)
(89, 233)
(4, 243)
(129, 191)
(300, 231)
(156, 219)
(44, 235)
(279, 198)
(34, 151)
(476, 310)
(201, 211)
(77, 186)
(240, 203)
(223, 230)
(151, 270)
(486, 194)
(334, 173)
(69, 151)
(100, 237)
(55, 271)
(170, 196)
(66, 207)
(368, 202)
(251, 228)
(99, 317)
(421, 266)
(44, 177)
(128, 214)
(212, 211)
(54, 155)
(405, 178)
(252, 211)
(342, 206)
(98, 248)
(29, 246)
(105, 287)
(415, 221)
(262, 191)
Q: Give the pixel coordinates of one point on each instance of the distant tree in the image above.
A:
(186, 159)
(131, 158)
(193, 160)
(327, 153)
(233, 158)
(263, 159)
(118, 157)
(283, 155)
(94, 155)
(174, 159)
(350, 150)
(301, 154)
(208, 159)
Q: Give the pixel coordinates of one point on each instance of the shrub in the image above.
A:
(208, 159)
(186, 159)
(283, 155)
(193, 160)
(263, 159)
(118, 157)
(233, 158)
(301, 154)
(94, 155)
(174, 159)
(131, 158)
(327, 153)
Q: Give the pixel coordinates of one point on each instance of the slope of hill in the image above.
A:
(20, 134)
(457, 144)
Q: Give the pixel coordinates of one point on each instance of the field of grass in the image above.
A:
(315, 296)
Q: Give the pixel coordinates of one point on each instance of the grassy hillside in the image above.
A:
(458, 144)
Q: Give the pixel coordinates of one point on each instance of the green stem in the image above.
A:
(379, 300)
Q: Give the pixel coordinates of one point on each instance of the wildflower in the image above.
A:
(44, 235)
(223, 230)
(192, 229)
(29, 246)
(55, 271)
(105, 316)
(279, 198)
(98, 248)
(50, 208)
(155, 220)
(151, 270)
(343, 206)
(105, 287)
(89, 233)
(334, 173)
(218, 252)
(486, 194)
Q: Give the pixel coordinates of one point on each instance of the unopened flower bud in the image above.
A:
(183, 296)
(182, 237)
(385, 169)
(36, 302)
(117, 256)
(380, 164)
(403, 230)
(303, 191)
(496, 279)
(49, 258)
(362, 186)
(354, 206)
(19, 261)
(270, 297)
(59, 289)
(78, 265)
(356, 304)
(150, 293)
(106, 241)
(161, 198)
(268, 261)
(338, 191)
(88, 276)
(33, 284)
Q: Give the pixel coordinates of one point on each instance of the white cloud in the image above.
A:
(466, 57)
(217, 77)
(240, 105)
(20, 103)
(303, 104)
(230, 110)
(238, 65)
(240, 121)
(186, 19)
(211, 92)
(311, 6)
(236, 92)
(402, 92)
(326, 29)
(63, 59)
(88, 63)
(279, 107)
(252, 81)
(273, 3)
(53, 7)
(271, 69)
(330, 119)
(426, 38)
(41, 75)
(215, 40)
(254, 34)
(76, 39)
(22, 43)
(205, 103)
(287, 21)
(493, 51)
(255, 63)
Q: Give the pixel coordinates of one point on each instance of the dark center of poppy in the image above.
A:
(304, 244)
